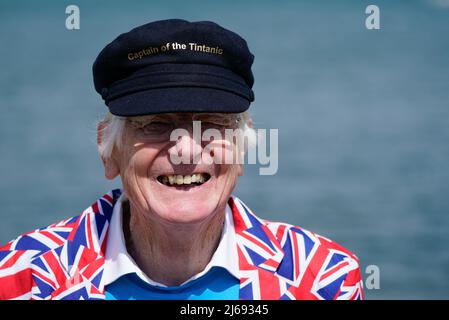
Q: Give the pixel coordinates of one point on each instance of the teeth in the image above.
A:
(187, 179)
(180, 180)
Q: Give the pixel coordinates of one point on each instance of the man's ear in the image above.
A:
(240, 170)
(250, 122)
(111, 168)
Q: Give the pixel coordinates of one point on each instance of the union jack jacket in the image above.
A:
(276, 260)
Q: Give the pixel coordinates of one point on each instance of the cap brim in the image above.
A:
(178, 99)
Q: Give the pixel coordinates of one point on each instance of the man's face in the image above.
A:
(165, 192)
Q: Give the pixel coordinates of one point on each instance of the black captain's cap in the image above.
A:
(175, 66)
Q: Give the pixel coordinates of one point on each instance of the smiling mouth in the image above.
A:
(195, 179)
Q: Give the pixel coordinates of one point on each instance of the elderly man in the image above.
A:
(174, 231)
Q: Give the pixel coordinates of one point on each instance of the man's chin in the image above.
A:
(185, 203)
(186, 214)
(181, 209)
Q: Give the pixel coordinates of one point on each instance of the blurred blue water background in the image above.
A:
(363, 120)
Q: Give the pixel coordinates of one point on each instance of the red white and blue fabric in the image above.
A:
(276, 260)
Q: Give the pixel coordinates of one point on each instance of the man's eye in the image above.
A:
(156, 128)
(218, 123)
(213, 124)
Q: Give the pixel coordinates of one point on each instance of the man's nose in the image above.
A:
(186, 145)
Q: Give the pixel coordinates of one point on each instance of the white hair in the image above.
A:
(112, 129)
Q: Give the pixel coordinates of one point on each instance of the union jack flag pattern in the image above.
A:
(276, 260)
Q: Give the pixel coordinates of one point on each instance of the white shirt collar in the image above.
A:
(118, 262)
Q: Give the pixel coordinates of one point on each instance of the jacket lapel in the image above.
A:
(260, 255)
(74, 270)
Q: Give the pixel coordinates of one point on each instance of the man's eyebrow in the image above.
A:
(148, 118)
(214, 115)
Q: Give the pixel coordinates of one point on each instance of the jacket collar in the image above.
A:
(257, 244)
(260, 255)
(74, 270)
